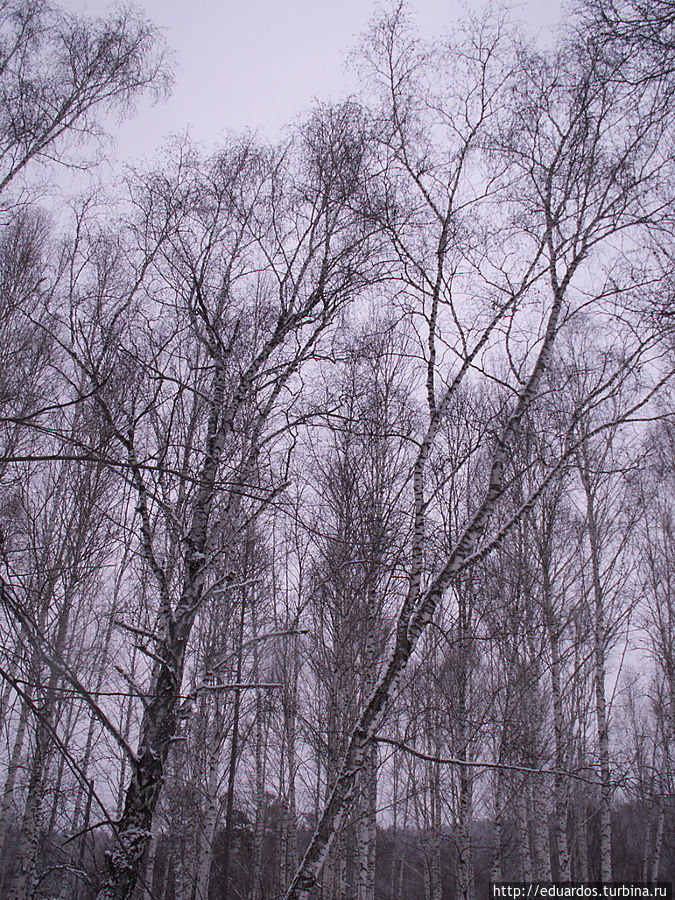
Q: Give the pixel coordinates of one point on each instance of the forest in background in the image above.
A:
(336, 476)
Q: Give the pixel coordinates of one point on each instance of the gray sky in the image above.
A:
(259, 63)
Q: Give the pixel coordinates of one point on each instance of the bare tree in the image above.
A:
(318, 494)
(568, 158)
(256, 268)
(359, 467)
(59, 74)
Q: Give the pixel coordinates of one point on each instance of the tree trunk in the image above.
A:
(260, 810)
(581, 810)
(658, 842)
(82, 842)
(291, 859)
(399, 855)
(126, 728)
(541, 846)
(234, 756)
(207, 834)
(29, 839)
(5, 693)
(149, 875)
(158, 726)
(60, 766)
(435, 888)
(560, 783)
(25, 874)
(465, 862)
(12, 770)
(465, 887)
(600, 698)
(496, 864)
(366, 831)
(523, 831)
(100, 677)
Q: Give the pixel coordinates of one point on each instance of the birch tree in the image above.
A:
(193, 360)
(59, 75)
(562, 168)
(318, 470)
(658, 617)
(359, 467)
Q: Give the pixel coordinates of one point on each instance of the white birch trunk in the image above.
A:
(366, 828)
(25, 878)
(366, 832)
(149, 876)
(561, 805)
(398, 866)
(24, 881)
(541, 846)
(6, 812)
(523, 832)
(291, 859)
(55, 783)
(658, 842)
(259, 828)
(282, 862)
(208, 831)
(6, 692)
(180, 880)
(560, 783)
(435, 851)
(91, 730)
(582, 836)
(465, 866)
(599, 677)
(496, 861)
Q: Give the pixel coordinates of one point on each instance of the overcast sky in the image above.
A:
(257, 64)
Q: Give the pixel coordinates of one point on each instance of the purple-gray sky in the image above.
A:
(259, 63)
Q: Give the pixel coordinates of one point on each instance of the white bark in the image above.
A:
(24, 881)
(523, 832)
(465, 863)
(434, 833)
(540, 837)
(599, 650)
(208, 830)
(149, 874)
(260, 804)
(496, 859)
(560, 784)
(581, 821)
(6, 811)
(366, 834)
(658, 842)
